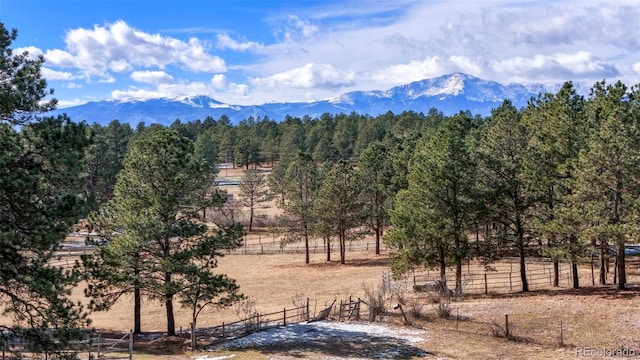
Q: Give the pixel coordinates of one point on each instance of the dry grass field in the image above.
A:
(547, 323)
(595, 317)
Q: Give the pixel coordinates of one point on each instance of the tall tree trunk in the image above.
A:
(556, 273)
(168, 302)
(523, 269)
(603, 256)
(378, 231)
(343, 245)
(137, 307)
(171, 324)
(137, 296)
(328, 241)
(574, 272)
(443, 267)
(458, 256)
(251, 217)
(306, 245)
(523, 272)
(521, 250)
(620, 262)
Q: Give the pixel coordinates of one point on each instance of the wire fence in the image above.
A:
(96, 346)
(275, 247)
(502, 277)
(531, 328)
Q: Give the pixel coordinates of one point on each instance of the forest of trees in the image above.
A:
(557, 178)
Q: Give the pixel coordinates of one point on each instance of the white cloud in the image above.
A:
(309, 76)
(68, 103)
(636, 68)
(72, 85)
(557, 66)
(118, 47)
(226, 42)
(163, 90)
(230, 91)
(51, 75)
(405, 73)
(33, 51)
(219, 81)
(295, 28)
(152, 77)
(120, 66)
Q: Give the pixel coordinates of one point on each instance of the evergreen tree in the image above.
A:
(254, 190)
(558, 130)
(376, 172)
(300, 191)
(41, 197)
(338, 207)
(105, 158)
(442, 184)
(156, 208)
(608, 171)
(503, 156)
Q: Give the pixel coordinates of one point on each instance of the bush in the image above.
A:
(443, 307)
(375, 299)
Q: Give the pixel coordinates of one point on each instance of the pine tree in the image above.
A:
(41, 197)
(254, 191)
(156, 210)
(339, 209)
(376, 171)
(300, 190)
(435, 215)
(608, 171)
(503, 155)
(558, 130)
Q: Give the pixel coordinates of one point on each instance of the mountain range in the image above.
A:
(449, 94)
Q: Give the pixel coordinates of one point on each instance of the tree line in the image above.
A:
(556, 178)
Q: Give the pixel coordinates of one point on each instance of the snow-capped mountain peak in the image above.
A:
(449, 94)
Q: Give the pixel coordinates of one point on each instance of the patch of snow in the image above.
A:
(398, 340)
(214, 358)
(401, 333)
(453, 86)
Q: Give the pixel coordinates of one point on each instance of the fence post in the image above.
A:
(486, 286)
(307, 309)
(193, 337)
(99, 341)
(561, 334)
(223, 330)
(284, 316)
(130, 344)
(510, 284)
(340, 311)
(506, 325)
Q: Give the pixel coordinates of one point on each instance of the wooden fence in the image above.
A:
(349, 310)
(257, 322)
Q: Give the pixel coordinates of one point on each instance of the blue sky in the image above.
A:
(253, 52)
